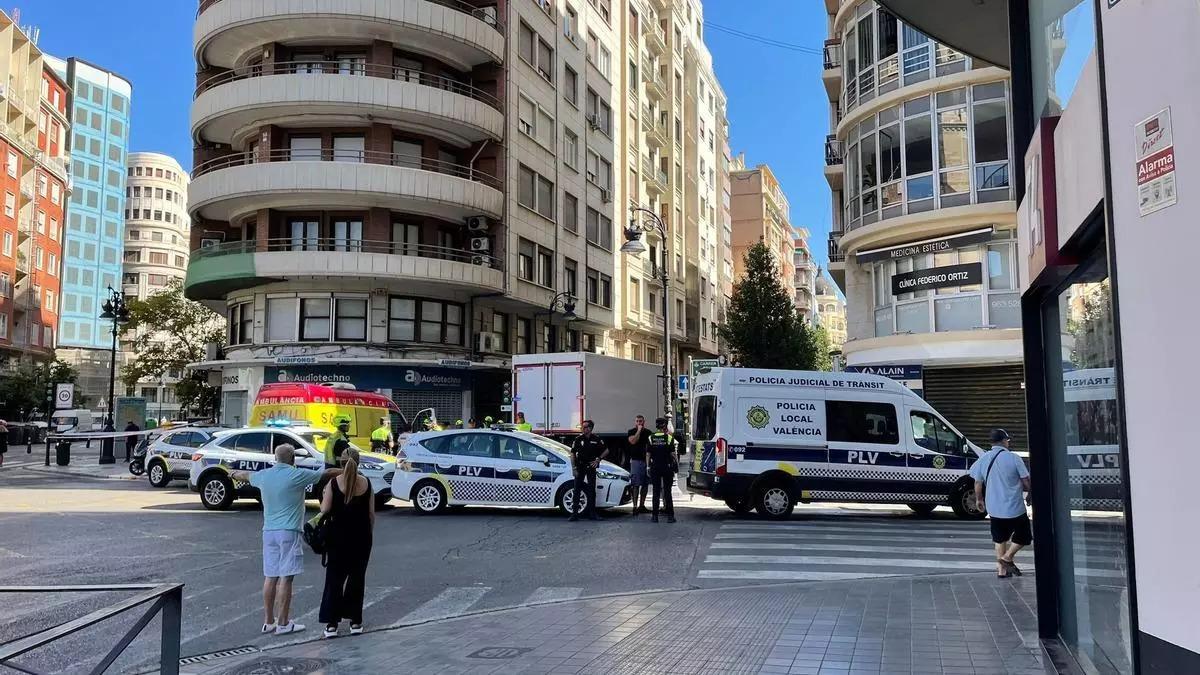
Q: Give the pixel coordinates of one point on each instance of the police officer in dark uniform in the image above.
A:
(662, 462)
(586, 453)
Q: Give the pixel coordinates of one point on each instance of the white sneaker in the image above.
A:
(269, 628)
(289, 627)
(356, 630)
(329, 632)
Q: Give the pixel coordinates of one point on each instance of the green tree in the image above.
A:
(23, 390)
(170, 332)
(762, 328)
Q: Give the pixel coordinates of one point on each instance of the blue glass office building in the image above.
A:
(99, 105)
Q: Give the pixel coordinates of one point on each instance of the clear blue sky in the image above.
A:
(777, 106)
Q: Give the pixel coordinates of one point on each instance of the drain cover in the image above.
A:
(498, 653)
(280, 666)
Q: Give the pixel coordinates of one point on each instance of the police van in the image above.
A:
(1092, 438)
(767, 439)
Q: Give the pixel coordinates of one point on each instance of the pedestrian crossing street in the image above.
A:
(852, 547)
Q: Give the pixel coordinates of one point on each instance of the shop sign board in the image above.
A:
(939, 245)
(1155, 153)
(966, 274)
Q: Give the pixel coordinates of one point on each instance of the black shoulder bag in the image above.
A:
(987, 475)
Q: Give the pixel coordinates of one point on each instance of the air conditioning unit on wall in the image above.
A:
(477, 224)
(480, 245)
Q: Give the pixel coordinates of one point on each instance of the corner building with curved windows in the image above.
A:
(924, 241)
(392, 194)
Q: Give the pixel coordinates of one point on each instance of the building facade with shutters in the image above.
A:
(924, 237)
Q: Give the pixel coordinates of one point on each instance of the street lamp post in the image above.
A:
(562, 302)
(115, 310)
(634, 245)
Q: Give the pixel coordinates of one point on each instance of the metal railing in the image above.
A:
(481, 13)
(353, 69)
(833, 54)
(835, 240)
(347, 156)
(834, 151)
(302, 244)
(166, 599)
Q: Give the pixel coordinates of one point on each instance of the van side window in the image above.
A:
(931, 433)
(861, 422)
(705, 425)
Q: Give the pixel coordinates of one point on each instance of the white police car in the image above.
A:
(169, 456)
(253, 449)
(491, 467)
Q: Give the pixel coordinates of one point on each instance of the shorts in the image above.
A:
(283, 553)
(1016, 530)
(637, 473)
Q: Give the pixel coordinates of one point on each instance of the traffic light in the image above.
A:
(507, 394)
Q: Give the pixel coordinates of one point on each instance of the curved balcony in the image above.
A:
(917, 226)
(236, 103)
(232, 186)
(459, 33)
(216, 271)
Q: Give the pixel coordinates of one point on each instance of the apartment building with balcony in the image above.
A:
(674, 134)
(393, 195)
(924, 237)
(759, 211)
(99, 106)
(804, 275)
(35, 186)
(157, 246)
(830, 311)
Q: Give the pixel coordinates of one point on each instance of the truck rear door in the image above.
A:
(566, 397)
(531, 394)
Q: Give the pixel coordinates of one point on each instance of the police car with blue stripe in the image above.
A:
(253, 449)
(495, 467)
(767, 439)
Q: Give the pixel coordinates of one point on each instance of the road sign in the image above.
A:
(64, 396)
(703, 365)
(506, 407)
(683, 384)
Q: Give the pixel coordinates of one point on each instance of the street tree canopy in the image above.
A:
(23, 389)
(170, 332)
(763, 329)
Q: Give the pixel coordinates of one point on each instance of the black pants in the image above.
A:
(585, 480)
(661, 479)
(345, 586)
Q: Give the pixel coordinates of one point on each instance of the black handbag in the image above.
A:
(316, 535)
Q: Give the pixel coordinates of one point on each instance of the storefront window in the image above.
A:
(1088, 487)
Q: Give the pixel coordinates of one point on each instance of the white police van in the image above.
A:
(1093, 441)
(495, 467)
(766, 439)
(253, 449)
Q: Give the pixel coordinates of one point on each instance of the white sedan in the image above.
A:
(488, 467)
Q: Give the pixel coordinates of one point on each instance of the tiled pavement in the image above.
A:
(940, 625)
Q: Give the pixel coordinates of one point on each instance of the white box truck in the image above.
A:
(558, 391)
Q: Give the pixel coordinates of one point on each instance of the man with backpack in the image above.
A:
(1001, 480)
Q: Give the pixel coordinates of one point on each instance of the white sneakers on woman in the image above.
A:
(289, 627)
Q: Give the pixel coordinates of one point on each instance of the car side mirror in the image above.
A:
(543, 459)
(303, 452)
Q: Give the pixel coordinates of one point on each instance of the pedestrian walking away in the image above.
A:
(281, 488)
(350, 506)
(130, 441)
(3, 441)
(639, 480)
(1000, 481)
(586, 453)
(663, 463)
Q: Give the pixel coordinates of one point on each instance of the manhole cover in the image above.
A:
(498, 653)
(280, 666)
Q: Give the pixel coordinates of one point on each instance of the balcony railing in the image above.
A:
(835, 253)
(833, 151)
(347, 156)
(833, 54)
(351, 69)
(484, 14)
(302, 244)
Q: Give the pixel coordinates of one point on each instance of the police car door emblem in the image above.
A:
(939, 462)
(758, 417)
(525, 475)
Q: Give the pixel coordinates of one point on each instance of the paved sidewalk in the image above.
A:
(941, 625)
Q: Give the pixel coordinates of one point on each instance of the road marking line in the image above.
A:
(553, 594)
(849, 529)
(976, 551)
(448, 603)
(832, 560)
(788, 575)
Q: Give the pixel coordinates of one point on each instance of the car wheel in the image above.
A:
(158, 474)
(566, 499)
(429, 497)
(962, 501)
(922, 509)
(740, 506)
(216, 493)
(775, 502)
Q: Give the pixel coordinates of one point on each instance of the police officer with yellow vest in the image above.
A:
(381, 438)
(338, 442)
(662, 462)
(521, 424)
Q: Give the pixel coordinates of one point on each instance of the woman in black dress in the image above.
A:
(351, 506)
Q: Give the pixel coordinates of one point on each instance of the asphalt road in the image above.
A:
(56, 531)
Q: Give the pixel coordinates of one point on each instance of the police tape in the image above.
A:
(100, 435)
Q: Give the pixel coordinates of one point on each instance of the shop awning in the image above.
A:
(975, 27)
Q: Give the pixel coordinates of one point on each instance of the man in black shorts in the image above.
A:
(1000, 481)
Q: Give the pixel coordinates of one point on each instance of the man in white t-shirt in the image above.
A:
(1001, 481)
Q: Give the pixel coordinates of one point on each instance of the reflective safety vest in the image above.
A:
(381, 434)
(524, 426)
(331, 454)
(662, 449)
